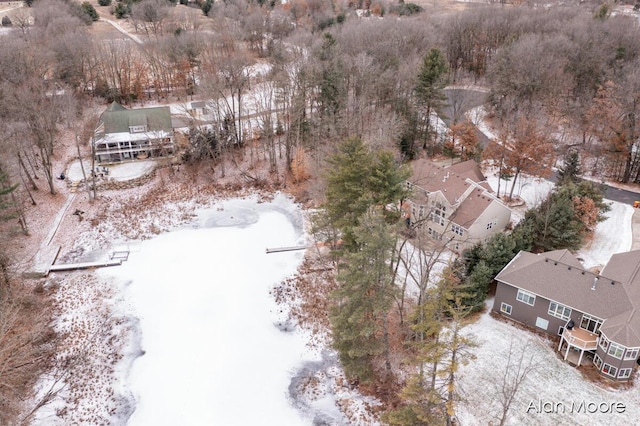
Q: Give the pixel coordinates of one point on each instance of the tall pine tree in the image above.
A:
(356, 181)
(429, 92)
(363, 299)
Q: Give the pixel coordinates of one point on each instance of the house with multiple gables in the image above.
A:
(133, 134)
(595, 317)
(455, 204)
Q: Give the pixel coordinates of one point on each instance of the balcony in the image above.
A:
(581, 339)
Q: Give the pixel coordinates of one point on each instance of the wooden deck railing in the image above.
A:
(581, 339)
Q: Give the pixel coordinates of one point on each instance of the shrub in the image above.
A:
(104, 2)
(6, 21)
(88, 9)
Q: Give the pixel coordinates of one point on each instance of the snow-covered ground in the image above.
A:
(552, 380)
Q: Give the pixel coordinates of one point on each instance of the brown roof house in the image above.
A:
(595, 315)
(454, 203)
(131, 134)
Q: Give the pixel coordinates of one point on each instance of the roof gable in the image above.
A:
(471, 208)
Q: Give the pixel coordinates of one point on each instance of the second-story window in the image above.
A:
(457, 229)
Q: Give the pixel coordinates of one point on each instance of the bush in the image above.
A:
(104, 2)
(88, 9)
(407, 9)
(206, 7)
(121, 10)
(6, 21)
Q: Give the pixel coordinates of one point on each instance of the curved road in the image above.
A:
(462, 99)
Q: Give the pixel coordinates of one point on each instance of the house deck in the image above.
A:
(581, 338)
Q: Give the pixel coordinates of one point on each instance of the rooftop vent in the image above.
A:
(595, 282)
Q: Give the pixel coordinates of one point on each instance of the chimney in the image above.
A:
(595, 281)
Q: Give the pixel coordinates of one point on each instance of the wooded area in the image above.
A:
(353, 98)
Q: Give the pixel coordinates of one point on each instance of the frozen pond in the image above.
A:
(212, 352)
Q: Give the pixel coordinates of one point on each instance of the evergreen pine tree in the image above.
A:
(570, 171)
(347, 195)
(430, 89)
(356, 181)
(363, 299)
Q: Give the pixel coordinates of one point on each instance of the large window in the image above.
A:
(559, 311)
(631, 353)
(525, 297)
(609, 370)
(590, 323)
(616, 350)
(624, 373)
(597, 361)
(505, 308)
(604, 343)
(438, 213)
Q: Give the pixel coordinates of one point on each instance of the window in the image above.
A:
(457, 229)
(559, 311)
(505, 308)
(616, 350)
(525, 297)
(631, 353)
(542, 323)
(624, 373)
(438, 213)
(609, 370)
(560, 330)
(590, 323)
(421, 213)
(597, 361)
(137, 129)
(604, 343)
(434, 234)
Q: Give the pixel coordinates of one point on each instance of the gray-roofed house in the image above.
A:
(130, 134)
(594, 315)
(455, 203)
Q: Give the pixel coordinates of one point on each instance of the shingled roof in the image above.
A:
(613, 295)
(117, 118)
(471, 208)
(433, 178)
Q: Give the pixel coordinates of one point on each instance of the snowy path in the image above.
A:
(122, 30)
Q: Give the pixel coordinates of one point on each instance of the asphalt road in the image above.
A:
(461, 100)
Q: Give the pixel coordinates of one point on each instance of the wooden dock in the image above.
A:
(84, 265)
(281, 249)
